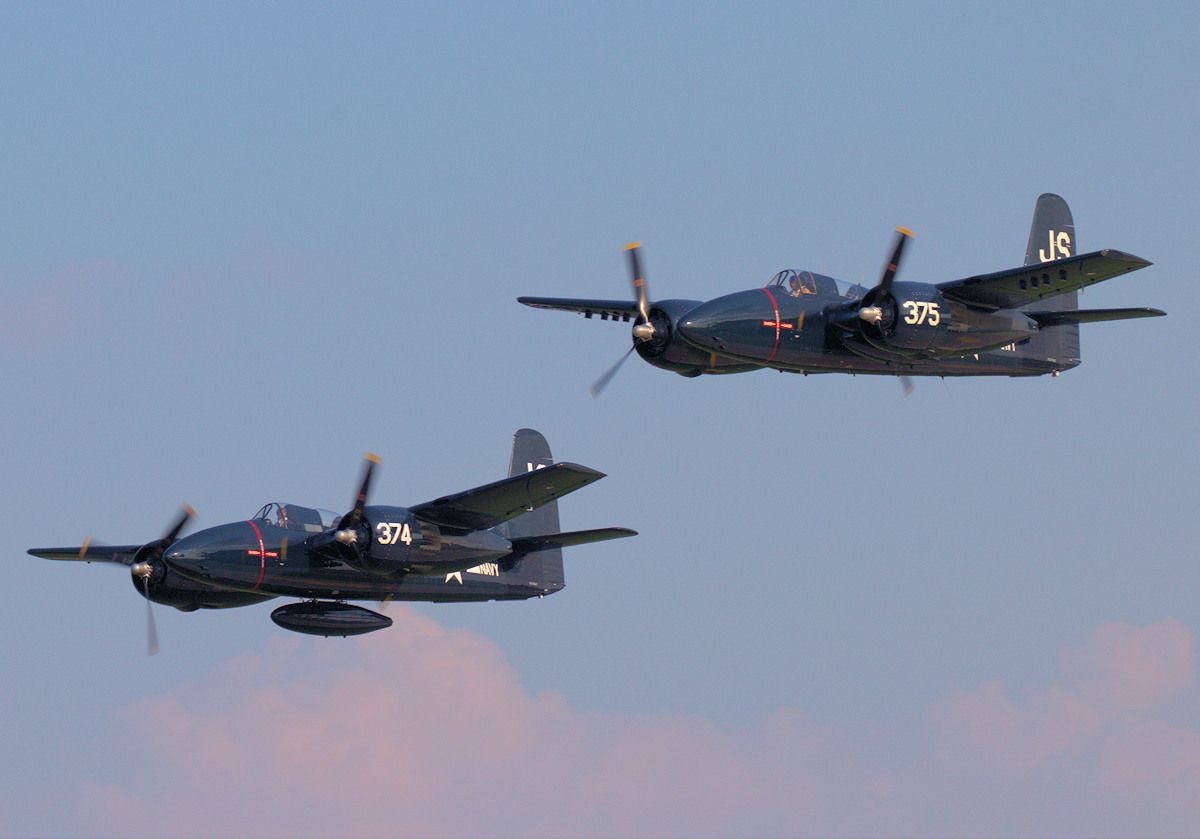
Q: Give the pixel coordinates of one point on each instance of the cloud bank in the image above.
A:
(425, 731)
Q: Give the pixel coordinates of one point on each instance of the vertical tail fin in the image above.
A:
(1052, 236)
(530, 451)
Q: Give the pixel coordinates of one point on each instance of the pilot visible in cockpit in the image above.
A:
(800, 284)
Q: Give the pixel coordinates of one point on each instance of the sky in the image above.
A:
(243, 244)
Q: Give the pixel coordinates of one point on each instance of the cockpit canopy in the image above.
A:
(295, 517)
(808, 283)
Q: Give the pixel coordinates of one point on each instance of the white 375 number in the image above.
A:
(920, 312)
(390, 532)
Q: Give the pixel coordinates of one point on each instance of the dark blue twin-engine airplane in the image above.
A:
(1019, 322)
(500, 541)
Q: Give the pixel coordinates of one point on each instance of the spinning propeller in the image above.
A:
(349, 528)
(146, 560)
(879, 306)
(643, 328)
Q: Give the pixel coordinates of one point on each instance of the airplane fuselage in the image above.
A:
(406, 560)
(770, 328)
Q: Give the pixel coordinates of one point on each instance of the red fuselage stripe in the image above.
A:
(775, 307)
(262, 554)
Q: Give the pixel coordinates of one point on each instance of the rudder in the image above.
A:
(1051, 237)
(530, 452)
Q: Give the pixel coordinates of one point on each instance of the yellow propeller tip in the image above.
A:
(906, 232)
(86, 544)
(633, 246)
(374, 458)
(191, 511)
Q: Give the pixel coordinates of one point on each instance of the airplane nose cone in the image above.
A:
(728, 323)
(701, 325)
(187, 557)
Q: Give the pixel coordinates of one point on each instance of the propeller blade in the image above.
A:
(188, 514)
(639, 282)
(602, 382)
(908, 384)
(354, 518)
(893, 266)
(151, 628)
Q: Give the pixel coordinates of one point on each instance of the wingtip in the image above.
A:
(593, 474)
(1124, 256)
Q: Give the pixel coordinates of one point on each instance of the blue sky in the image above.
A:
(244, 244)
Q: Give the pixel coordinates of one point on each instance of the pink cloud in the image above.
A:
(1015, 735)
(1155, 757)
(1127, 668)
(424, 731)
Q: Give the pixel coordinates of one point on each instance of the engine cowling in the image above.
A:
(162, 585)
(666, 350)
(910, 318)
(392, 541)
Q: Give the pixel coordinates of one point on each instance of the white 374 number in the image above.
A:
(919, 312)
(390, 532)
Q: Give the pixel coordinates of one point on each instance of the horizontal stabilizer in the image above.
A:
(533, 544)
(488, 505)
(1093, 315)
(120, 554)
(607, 309)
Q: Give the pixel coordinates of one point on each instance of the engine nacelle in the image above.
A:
(170, 589)
(668, 351)
(396, 541)
(916, 320)
(914, 317)
(401, 543)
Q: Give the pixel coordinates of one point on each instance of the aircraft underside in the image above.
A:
(985, 364)
(464, 586)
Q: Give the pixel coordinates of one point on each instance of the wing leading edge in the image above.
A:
(120, 554)
(1031, 283)
(488, 505)
(607, 309)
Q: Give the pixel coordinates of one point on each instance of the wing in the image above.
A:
(1030, 283)
(87, 552)
(1092, 315)
(532, 544)
(606, 309)
(488, 505)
